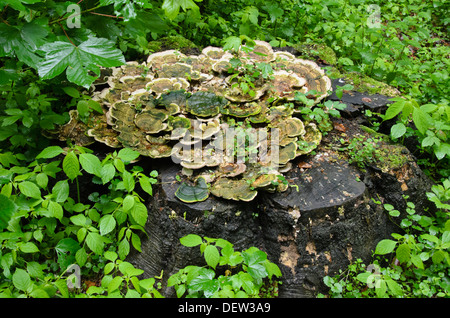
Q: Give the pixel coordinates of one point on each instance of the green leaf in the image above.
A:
(421, 119)
(127, 154)
(172, 7)
(91, 164)
(30, 189)
(60, 191)
(115, 283)
(124, 248)
(7, 209)
(108, 172)
(191, 240)
(139, 213)
(398, 130)
(145, 185)
(232, 43)
(205, 282)
(55, 210)
(417, 261)
(71, 166)
(67, 245)
(385, 247)
(81, 256)
(23, 41)
(21, 280)
(128, 181)
(128, 203)
(394, 109)
(50, 152)
(95, 242)
(212, 256)
(394, 287)
(79, 60)
(403, 253)
(107, 224)
(29, 247)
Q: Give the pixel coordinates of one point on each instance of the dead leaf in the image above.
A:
(304, 165)
(366, 99)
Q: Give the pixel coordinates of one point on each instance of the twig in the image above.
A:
(66, 33)
(106, 15)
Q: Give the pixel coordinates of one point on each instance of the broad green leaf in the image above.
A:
(79, 60)
(398, 130)
(417, 261)
(107, 172)
(91, 164)
(394, 109)
(205, 281)
(29, 247)
(421, 119)
(67, 245)
(139, 213)
(107, 224)
(81, 256)
(128, 202)
(7, 209)
(78, 219)
(22, 41)
(172, 7)
(128, 181)
(232, 43)
(385, 247)
(191, 240)
(124, 248)
(60, 191)
(115, 283)
(212, 256)
(50, 152)
(127, 154)
(145, 185)
(71, 166)
(55, 210)
(21, 280)
(30, 189)
(95, 242)
(403, 253)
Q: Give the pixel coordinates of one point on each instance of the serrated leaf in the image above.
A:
(385, 247)
(394, 109)
(403, 253)
(139, 213)
(55, 210)
(398, 130)
(191, 240)
(91, 164)
(7, 209)
(50, 152)
(421, 119)
(108, 172)
(212, 256)
(30, 189)
(107, 224)
(95, 242)
(128, 155)
(79, 60)
(71, 166)
(21, 280)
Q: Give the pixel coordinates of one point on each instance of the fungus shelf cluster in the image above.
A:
(187, 107)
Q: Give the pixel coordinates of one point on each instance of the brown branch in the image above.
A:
(66, 33)
(106, 15)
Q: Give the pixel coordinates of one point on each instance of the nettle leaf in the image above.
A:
(79, 60)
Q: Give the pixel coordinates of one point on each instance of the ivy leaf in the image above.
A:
(77, 61)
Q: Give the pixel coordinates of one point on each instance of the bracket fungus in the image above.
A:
(193, 109)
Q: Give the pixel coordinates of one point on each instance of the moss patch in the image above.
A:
(314, 51)
(172, 42)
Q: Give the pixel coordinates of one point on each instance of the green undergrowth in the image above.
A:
(49, 57)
